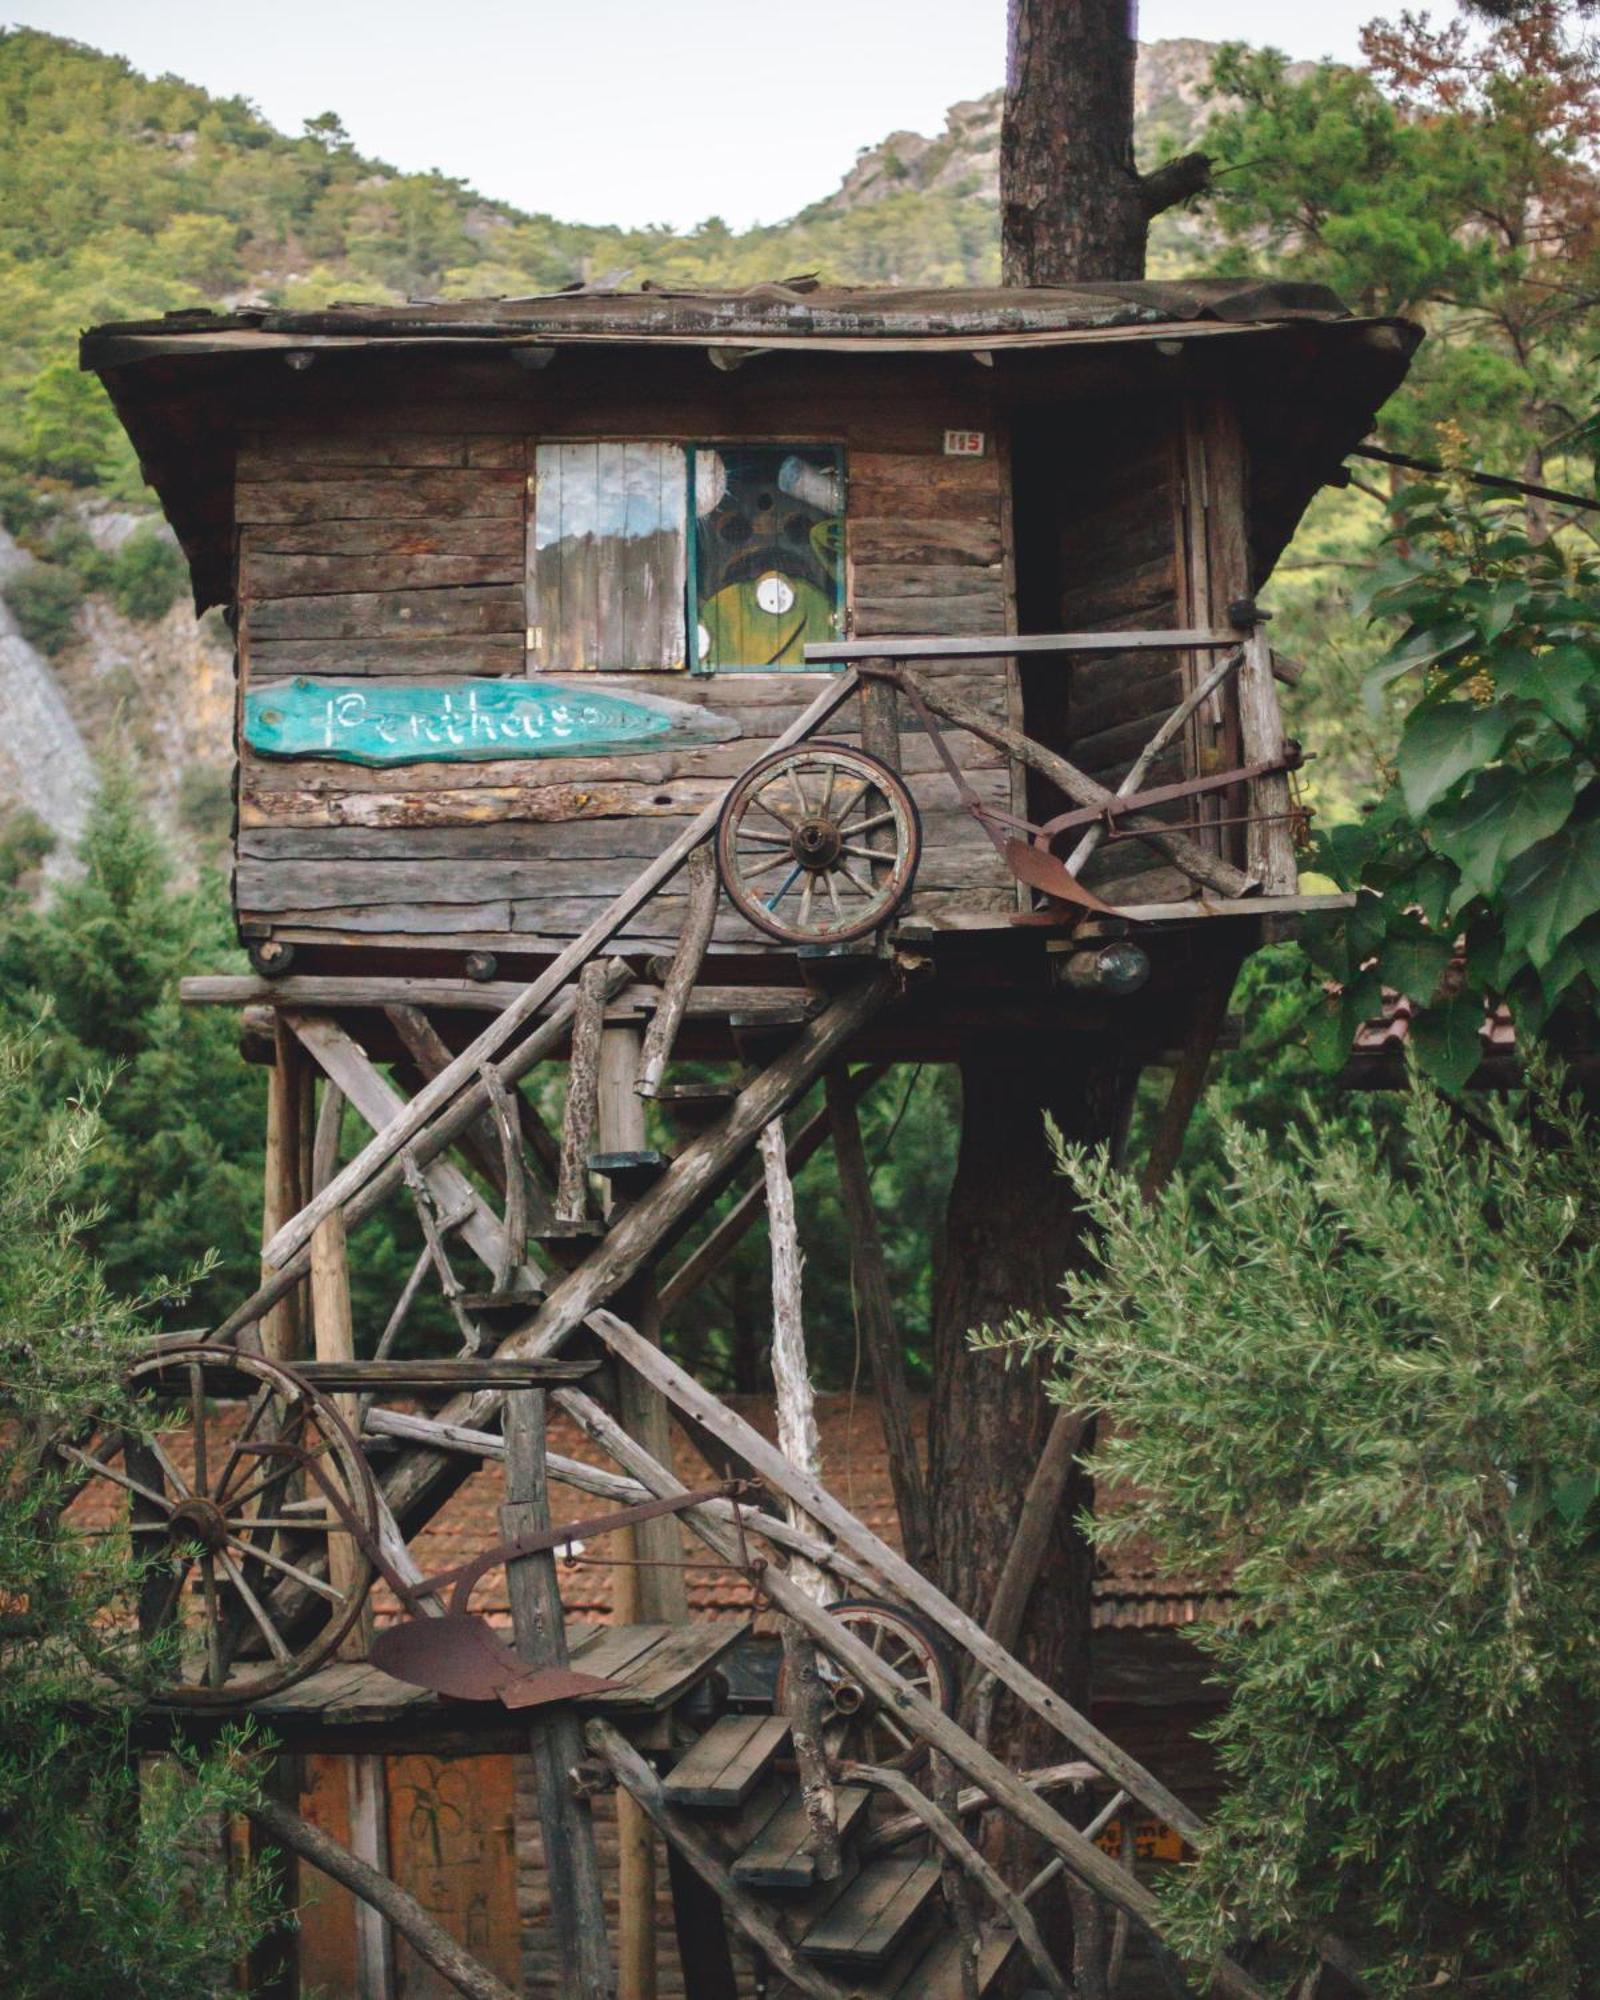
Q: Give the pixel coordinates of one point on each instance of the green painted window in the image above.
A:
(766, 553)
(647, 557)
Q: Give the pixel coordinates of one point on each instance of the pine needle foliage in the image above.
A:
(107, 1884)
(1365, 1389)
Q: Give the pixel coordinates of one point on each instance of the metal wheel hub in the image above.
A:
(817, 844)
(198, 1520)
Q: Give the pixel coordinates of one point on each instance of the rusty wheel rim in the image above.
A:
(818, 845)
(240, 1500)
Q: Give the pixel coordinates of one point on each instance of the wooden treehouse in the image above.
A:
(778, 680)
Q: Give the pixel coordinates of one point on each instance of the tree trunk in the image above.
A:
(1073, 206)
(1012, 1229)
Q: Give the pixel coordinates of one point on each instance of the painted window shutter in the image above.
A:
(607, 558)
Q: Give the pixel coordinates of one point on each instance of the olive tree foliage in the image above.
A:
(1363, 1391)
(107, 1885)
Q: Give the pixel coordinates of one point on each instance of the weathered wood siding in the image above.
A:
(371, 545)
(1125, 549)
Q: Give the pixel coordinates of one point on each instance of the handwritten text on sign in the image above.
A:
(464, 721)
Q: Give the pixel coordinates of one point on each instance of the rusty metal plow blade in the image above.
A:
(462, 1656)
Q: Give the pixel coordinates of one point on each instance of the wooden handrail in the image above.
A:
(1003, 645)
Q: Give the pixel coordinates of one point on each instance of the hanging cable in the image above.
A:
(1494, 479)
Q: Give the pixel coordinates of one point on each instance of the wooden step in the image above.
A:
(936, 1974)
(873, 1918)
(720, 1771)
(779, 1857)
(630, 1174)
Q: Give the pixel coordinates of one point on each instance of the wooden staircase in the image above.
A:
(880, 1930)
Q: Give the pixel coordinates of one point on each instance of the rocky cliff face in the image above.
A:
(964, 159)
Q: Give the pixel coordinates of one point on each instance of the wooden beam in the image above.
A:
(429, 1939)
(334, 1334)
(442, 1133)
(676, 988)
(806, 1702)
(961, 1850)
(703, 1264)
(1083, 790)
(369, 1842)
(434, 1097)
(1004, 646)
(289, 1083)
(641, 1783)
(1083, 1859)
(572, 1867)
(583, 1084)
(880, 1333)
(770, 1465)
(693, 1180)
(635, 1002)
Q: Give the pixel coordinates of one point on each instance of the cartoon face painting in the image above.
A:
(768, 549)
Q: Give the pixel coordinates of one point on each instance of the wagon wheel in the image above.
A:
(237, 1502)
(860, 1729)
(818, 844)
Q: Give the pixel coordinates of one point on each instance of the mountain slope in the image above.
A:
(121, 196)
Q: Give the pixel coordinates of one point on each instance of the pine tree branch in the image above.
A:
(1175, 181)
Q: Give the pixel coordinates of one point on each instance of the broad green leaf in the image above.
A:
(1561, 680)
(1448, 1039)
(1549, 890)
(1441, 745)
(1502, 814)
(1573, 1493)
(1419, 648)
(1414, 963)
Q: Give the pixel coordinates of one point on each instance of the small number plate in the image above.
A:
(963, 444)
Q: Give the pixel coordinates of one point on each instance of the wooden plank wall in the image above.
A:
(368, 549)
(1127, 553)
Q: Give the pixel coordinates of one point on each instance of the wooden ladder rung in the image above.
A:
(722, 1768)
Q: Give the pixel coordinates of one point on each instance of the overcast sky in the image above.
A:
(631, 111)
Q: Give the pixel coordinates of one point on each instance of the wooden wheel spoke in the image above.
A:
(269, 1631)
(806, 895)
(783, 860)
(833, 894)
(258, 1554)
(118, 1478)
(775, 899)
(180, 1485)
(792, 773)
(875, 854)
(871, 825)
(764, 839)
(252, 1417)
(216, 1663)
(905, 1741)
(850, 875)
(759, 799)
(197, 1423)
(276, 1476)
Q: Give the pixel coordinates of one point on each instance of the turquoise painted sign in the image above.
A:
(414, 722)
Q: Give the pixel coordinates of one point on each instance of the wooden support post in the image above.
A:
(642, 1596)
(703, 1264)
(423, 1108)
(875, 1305)
(442, 1132)
(704, 889)
(880, 720)
(329, 1128)
(289, 1081)
(700, 1851)
(693, 1180)
(335, 1340)
(369, 1842)
(583, 1083)
(429, 1939)
(702, 1929)
(577, 1911)
(1269, 848)
(800, 1442)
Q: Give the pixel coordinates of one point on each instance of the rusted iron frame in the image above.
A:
(1160, 795)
